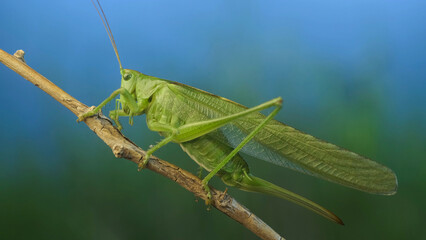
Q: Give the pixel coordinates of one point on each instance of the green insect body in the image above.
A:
(170, 106)
(213, 131)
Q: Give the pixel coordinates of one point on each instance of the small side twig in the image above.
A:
(124, 148)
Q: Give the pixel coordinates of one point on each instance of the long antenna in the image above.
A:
(108, 29)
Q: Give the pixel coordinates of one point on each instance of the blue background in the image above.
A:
(350, 72)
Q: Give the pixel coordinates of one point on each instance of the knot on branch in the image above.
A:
(19, 54)
(119, 151)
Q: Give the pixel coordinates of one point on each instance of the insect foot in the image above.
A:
(90, 112)
(208, 193)
(142, 163)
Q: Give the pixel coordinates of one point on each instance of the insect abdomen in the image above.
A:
(208, 153)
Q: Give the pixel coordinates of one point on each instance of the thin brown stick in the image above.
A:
(124, 148)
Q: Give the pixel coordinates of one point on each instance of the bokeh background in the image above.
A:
(350, 72)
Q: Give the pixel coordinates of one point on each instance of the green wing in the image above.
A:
(285, 146)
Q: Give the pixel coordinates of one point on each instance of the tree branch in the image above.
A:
(124, 148)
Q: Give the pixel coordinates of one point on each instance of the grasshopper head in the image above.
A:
(129, 79)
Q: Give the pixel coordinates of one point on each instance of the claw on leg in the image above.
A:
(143, 162)
(91, 111)
(114, 116)
(208, 193)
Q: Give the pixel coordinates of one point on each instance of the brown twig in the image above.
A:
(124, 148)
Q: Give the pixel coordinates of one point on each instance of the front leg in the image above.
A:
(114, 114)
(130, 102)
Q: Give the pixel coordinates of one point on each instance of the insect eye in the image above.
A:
(127, 76)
